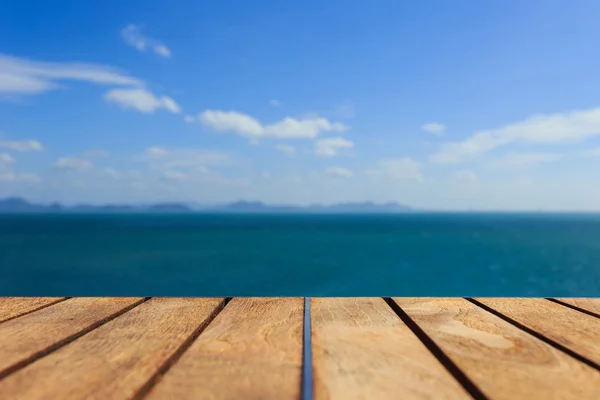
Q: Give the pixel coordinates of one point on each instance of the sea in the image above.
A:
(412, 254)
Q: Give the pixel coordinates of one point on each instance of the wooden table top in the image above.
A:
(277, 348)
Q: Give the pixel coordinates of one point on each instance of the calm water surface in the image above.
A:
(300, 255)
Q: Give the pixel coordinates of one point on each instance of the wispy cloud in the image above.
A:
(465, 175)
(339, 172)
(331, 146)
(538, 129)
(96, 153)
(133, 35)
(595, 152)
(249, 127)
(287, 149)
(175, 175)
(275, 103)
(6, 159)
(434, 128)
(397, 168)
(345, 110)
(191, 165)
(521, 160)
(141, 100)
(73, 164)
(111, 173)
(8, 174)
(23, 145)
(167, 158)
(20, 76)
(14, 177)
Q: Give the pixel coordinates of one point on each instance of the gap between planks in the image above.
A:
(306, 383)
(153, 381)
(441, 356)
(550, 337)
(504, 361)
(589, 306)
(17, 355)
(15, 307)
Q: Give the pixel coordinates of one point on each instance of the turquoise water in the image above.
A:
(300, 255)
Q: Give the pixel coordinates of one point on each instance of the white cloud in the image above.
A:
(345, 110)
(434, 128)
(73, 164)
(6, 159)
(189, 118)
(133, 36)
(141, 100)
(23, 76)
(156, 151)
(247, 126)
(397, 168)
(521, 160)
(330, 147)
(275, 103)
(239, 123)
(162, 50)
(284, 148)
(542, 129)
(174, 175)
(339, 172)
(595, 152)
(7, 173)
(465, 175)
(96, 153)
(167, 159)
(111, 173)
(13, 177)
(24, 145)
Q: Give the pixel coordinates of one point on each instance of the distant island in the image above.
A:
(20, 205)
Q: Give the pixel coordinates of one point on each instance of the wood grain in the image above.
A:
(592, 304)
(252, 350)
(362, 350)
(32, 335)
(12, 307)
(502, 360)
(115, 360)
(575, 330)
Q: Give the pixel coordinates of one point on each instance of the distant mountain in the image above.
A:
(169, 207)
(19, 205)
(366, 207)
(252, 206)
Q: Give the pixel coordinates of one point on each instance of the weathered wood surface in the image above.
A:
(252, 350)
(591, 305)
(116, 360)
(12, 307)
(575, 330)
(33, 335)
(362, 350)
(502, 360)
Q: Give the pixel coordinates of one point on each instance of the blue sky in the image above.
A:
(437, 104)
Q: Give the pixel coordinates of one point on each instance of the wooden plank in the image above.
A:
(572, 329)
(590, 304)
(12, 307)
(362, 350)
(115, 360)
(33, 335)
(252, 350)
(502, 360)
